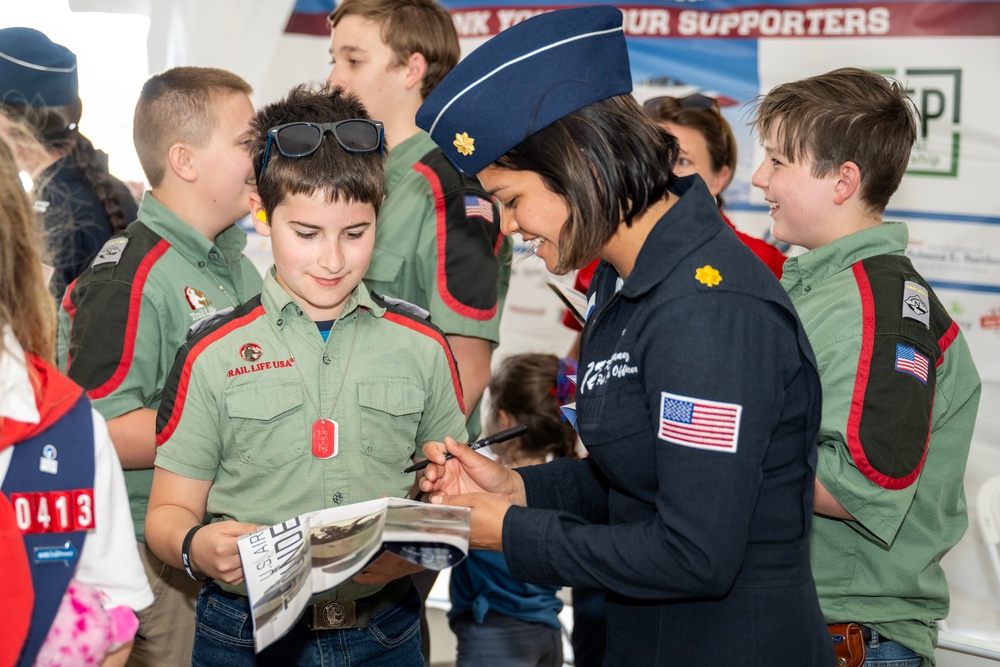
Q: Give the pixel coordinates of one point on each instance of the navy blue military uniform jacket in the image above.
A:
(76, 221)
(699, 401)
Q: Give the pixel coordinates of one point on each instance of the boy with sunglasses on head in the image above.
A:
(123, 319)
(314, 394)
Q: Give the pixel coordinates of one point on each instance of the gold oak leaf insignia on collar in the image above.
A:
(707, 275)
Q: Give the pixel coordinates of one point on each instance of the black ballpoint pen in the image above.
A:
(499, 436)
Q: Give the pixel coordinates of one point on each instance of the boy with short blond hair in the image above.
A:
(123, 319)
(314, 394)
(900, 390)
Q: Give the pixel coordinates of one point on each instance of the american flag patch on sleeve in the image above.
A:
(696, 422)
(477, 207)
(911, 362)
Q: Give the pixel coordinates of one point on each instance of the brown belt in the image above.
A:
(344, 614)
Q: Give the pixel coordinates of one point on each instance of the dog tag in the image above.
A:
(324, 438)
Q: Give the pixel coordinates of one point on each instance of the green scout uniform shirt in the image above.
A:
(438, 244)
(123, 319)
(869, 315)
(235, 409)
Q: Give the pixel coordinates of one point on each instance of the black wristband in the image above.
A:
(186, 553)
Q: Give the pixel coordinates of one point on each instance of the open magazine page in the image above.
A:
(574, 300)
(285, 564)
(434, 536)
(279, 567)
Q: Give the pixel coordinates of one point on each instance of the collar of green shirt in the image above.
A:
(185, 239)
(820, 263)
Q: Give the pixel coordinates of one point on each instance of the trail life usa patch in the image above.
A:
(699, 423)
(916, 303)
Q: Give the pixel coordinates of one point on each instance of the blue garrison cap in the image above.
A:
(524, 79)
(36, 71)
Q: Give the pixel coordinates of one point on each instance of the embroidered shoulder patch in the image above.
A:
(916, 303)
(477, 207)
(911, 362)
(111, 253)
(699, 423)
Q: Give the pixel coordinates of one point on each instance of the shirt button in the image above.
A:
(338, 497)
(280, 322)
(807, 289)
(201, 265)
(327, 359)
(213, 255)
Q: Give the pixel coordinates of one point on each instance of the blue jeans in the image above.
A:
(224, 638)
(504, 641)
(880, 652)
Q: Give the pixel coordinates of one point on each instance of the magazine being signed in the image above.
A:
(286, 564)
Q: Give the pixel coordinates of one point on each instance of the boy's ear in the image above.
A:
(261, 221)
(416, 67)
(848, 182)
(181, 162)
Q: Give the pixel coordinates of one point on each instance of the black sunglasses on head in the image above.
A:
(696, 101)
(301, 139)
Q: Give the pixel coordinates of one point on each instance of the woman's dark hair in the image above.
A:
(58, 129)
(607, 160)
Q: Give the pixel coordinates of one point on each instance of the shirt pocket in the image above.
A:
(612, 417)
(391, 409)
(267, 423)
(385, 266)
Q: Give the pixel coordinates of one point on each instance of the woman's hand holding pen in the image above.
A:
(470, 479)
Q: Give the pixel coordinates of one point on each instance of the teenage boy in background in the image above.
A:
(124, 318)
(438, 243)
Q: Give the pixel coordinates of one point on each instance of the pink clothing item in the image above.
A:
(83, 631)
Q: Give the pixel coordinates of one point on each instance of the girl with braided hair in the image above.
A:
(82, 204)
(498, 621)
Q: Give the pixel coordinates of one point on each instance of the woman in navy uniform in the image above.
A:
(698, 396)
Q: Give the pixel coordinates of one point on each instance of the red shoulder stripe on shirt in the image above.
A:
(439, 338)
(946, 340)
(860, 388)
(182, 385)
(135, 303)
(67, 302)
(442, 238)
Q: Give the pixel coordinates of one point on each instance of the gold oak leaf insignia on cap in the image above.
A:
(707, 275)
(464, 143)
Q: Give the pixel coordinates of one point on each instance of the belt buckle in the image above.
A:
(334, 615)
